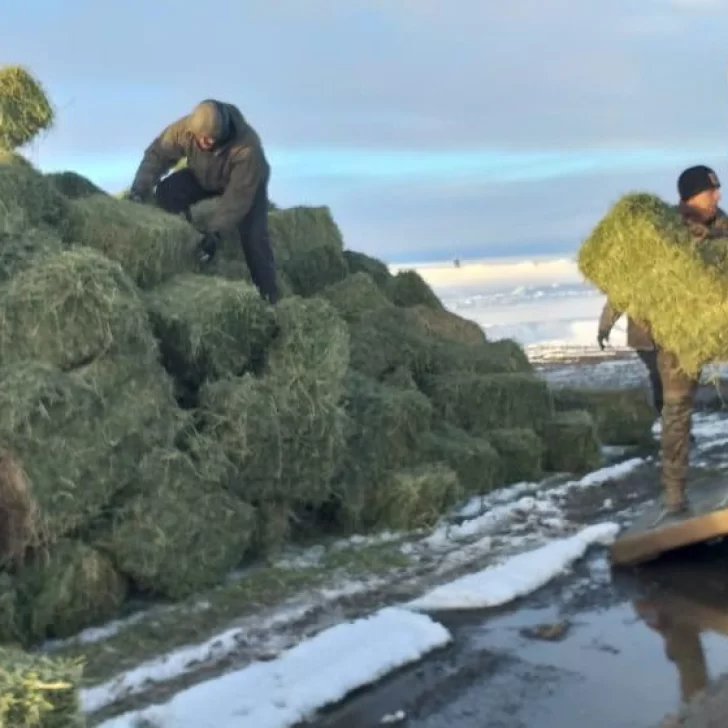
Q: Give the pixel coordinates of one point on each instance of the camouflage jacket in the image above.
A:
(234, 170)
(638, 332)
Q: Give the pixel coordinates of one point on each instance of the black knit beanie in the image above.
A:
(695, 180)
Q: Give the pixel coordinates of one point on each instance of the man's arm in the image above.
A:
(608, 318)
(160, 156)
(236, 201)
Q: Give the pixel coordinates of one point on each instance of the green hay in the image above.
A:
(643, 257)
(149, 244)
(448, 326)
(58, 432)
(209, 328)
(406, 500)
(521, 453)
(28, 200)
(621, 416)
(571, 442)
(311, 349)
(70, 309)
(25, 110)
(474, 459)
(488, 357)
(308, 248)
(39, 692)
(386, 427)
(400, 378)
(362, 263)
(13, 158)
(182, 534)
(480, 403)
(269, 441)
(409, 288)
(11, 631)
(355, 295)
(386, 339)
(24, 249)
(273, 529)
(74, 186)
(68, 589)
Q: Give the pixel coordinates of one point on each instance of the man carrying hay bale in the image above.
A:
(225, 158)
(699, 190)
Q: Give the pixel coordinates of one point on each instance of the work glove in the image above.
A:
(207, 247)
(602, 339)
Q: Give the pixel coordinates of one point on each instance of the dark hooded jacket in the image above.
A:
(234, 168)
(638, 332)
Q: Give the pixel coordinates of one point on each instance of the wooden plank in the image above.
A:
(709, 519)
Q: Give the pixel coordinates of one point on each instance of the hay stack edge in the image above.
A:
(642, 256)
(150, 409)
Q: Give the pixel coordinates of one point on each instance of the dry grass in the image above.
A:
(409, 288)
(18, 517)
(448, 326)
(521, 453)
(74, 186)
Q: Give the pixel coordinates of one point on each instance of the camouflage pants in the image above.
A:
(678, 389)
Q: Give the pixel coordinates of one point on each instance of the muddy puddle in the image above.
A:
(598, 649)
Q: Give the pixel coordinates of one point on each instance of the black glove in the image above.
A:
(602, 339)
(207, 247)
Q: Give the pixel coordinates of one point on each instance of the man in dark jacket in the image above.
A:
(225, 159)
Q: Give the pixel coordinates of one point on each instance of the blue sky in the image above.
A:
(431, 129)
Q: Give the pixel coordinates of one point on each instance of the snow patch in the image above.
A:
(316, 673)
(517, 576)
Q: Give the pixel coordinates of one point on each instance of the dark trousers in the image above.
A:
(178, 192)
(649, 359)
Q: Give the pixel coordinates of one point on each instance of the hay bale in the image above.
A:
(149, 244)
(311, 347)
(400, 378)
(308, 248)
(643, 257)
(409, 288)
(488, 357)
(355, 295)
(39, 692)
(74, 186)
(377, 269)
(28, 200)
(273, 529)
(209, 328)
(405, 499)
(25, 110)
(521, 453)
(385, 432)
(177, 512)
(64, 590)
(386, 339)
(25, 248)
(621, 416)
(281, 436)
(474, 459)
(571, 442)
(448, 326)
(69, 309)
(480, 403)
(271, 441)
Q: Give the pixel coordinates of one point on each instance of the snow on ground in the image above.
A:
(516, 577)
(317, 672)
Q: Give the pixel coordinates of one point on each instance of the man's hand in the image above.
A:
(134, 197)
(602, 339)
(207, 247)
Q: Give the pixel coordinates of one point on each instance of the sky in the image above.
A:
(433, 130)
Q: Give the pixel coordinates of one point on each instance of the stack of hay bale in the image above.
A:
(151, 408)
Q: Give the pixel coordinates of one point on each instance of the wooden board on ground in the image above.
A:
(709, 519)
